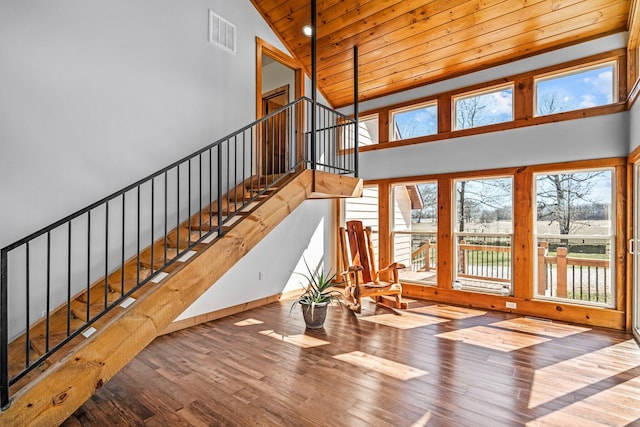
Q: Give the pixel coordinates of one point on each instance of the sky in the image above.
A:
(582, 89)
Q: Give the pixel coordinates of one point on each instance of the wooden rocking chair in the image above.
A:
(360, 275)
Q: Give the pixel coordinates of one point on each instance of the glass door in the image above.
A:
(634, 250)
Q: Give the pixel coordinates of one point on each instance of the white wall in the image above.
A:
(592, 138)
(96, 95)
(304, 234)
(276, 75)
(634, 126)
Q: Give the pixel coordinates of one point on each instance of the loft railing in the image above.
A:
(125, 240)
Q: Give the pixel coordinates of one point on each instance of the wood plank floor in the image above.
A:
(433, 365)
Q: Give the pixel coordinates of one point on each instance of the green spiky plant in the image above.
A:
(317, 289)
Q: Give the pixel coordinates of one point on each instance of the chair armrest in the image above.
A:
(393, 267)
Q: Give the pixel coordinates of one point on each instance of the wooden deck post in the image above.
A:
(561, 272)
(542, 268)
(427, 253)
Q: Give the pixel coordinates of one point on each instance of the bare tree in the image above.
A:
(415, 123)
(429, 196)
(482, 199)
(559, 196)
(550, 103)
(469, 112)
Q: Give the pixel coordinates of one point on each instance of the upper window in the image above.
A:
(483, 108)
(414, 121)
(577, 89)
(368, 130)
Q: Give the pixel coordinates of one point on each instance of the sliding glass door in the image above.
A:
(634, 250)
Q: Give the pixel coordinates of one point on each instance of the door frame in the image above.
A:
(264, 48)
(633, 256)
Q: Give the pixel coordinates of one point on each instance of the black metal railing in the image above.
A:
(57, 282)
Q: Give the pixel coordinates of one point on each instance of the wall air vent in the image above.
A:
(222, 33)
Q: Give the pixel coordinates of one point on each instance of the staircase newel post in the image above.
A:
(314, 32)
(355, 110)
(4, 333)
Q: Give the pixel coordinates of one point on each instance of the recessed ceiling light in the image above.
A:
(307, 30)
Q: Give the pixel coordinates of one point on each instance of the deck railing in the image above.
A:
(560, 275)
(573, 277)
(125, 237)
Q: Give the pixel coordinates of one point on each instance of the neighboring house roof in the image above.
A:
(415, 197)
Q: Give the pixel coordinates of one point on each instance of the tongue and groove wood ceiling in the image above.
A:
(408, 43)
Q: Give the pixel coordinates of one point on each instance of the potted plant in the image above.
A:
(317, 296)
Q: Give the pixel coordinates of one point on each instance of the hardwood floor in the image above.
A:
(434, 365)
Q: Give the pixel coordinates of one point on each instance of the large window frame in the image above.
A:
(480, 257)
(572, 71)
(585, 275)
(395, 134)
(524, 246)
(476, 109)
(523, 102)
(416, 249)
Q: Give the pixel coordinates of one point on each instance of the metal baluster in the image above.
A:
(153, 258)
(68, 279)
(189, 202)
(123, 245)
(220, 231)
(106, 256)
(88, 266)
(166, 219)
(4, 333)
(138, 239)
(48, 299)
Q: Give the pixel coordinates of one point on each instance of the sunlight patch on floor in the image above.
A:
(615, 406)
(380, 365)
(423, 421)
(493, 338)
(248, 322)
(540, 327)
(448, 311)
(301, 340)
(568, 376)
(404, 320)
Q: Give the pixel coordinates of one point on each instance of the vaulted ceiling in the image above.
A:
(408, 43)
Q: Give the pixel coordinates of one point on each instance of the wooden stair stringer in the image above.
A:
(67, 384)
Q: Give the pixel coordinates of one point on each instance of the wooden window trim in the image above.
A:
(523, 245)
(479, 92)
(410, 107)
(523, 103)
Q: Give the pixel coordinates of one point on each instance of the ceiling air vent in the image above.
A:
(222, 33)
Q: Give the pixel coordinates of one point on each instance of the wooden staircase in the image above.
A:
(64, 381)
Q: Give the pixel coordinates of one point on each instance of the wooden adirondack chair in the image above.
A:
(361, 276)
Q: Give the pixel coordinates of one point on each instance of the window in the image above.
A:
(573, 90)
(575, 236)
(483, 108)
(414, 121)
(415, 230)
(368, 130)
(483, 235)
